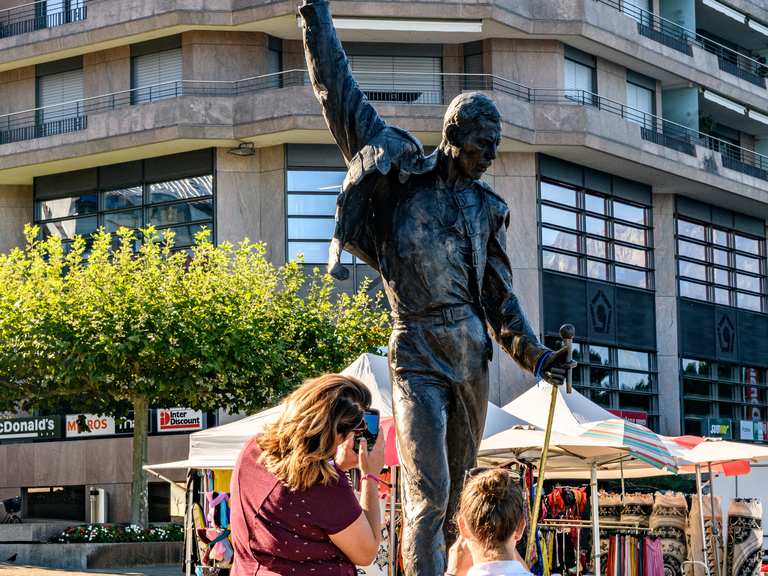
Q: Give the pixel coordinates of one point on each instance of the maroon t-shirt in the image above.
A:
(279, 532)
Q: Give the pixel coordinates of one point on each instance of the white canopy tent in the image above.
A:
(219, 447)
(571, 410)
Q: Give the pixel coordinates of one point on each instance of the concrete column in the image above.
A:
(107, 71)
(611, 80)
(534, 63)
(666, 313)
(514, 178)
(17, 90)
(16, 210)
(293, 55)
(250, 199)
(681, 106)
(453, 62)
(681, 12)
(211, 55)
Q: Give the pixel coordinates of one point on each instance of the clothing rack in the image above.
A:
(569, 523)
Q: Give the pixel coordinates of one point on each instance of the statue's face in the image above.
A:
(478, 150)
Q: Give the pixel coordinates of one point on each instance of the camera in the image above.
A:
(368, 430)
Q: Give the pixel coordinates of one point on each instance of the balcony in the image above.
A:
(39, 15)
(681, 39)
(278, 108)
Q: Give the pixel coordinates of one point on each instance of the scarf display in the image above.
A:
(637, 508)
(695, 541)
(668, 522)
(745, 537)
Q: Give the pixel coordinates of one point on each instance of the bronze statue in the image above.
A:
(437, 235)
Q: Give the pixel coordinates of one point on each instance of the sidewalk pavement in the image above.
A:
(149, 570)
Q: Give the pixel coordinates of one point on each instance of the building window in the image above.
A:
(722, 391)
(398, 73)
(640, 10)
(156, 70)
(601, 237)
(184, 204)
(580, 76)
(59, 96)
(310, 208)
(473, 66)
(55, 503)
(720, 265)
(641, 99)
(58, 12)
(616, 378)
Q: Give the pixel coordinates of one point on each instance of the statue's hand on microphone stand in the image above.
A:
(555, 368)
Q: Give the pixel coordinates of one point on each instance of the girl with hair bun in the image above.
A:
(491, 520)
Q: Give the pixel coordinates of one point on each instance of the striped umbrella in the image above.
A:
(641, 442)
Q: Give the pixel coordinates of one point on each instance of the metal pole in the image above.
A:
(700, 498)
(392, 540)
(567, 332)
(621, 465)
(715, 531)
(542, 468)
(595, 520)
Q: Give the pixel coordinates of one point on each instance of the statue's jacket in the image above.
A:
(436, 247)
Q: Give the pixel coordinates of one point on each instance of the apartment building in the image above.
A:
(634, 158)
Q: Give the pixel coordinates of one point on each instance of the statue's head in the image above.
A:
(471, 133)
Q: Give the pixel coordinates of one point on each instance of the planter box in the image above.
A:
(31, 531)
(85, 556)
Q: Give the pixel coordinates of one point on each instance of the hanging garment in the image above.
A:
(668, 523)
(745, 537)
(695, 542)
(637, 508)
(653, 558)
(609, 510)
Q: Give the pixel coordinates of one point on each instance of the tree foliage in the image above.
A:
(221, 327)
(102, 327)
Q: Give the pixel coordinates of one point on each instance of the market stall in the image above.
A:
(213, 453)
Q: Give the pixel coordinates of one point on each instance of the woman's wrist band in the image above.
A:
(370, 476)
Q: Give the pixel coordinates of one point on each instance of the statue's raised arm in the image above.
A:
(350, 117)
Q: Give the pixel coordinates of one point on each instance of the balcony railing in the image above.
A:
(402, 88)
(681, 39)
(43, 14)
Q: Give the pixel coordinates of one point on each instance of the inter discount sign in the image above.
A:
(179, 420)
(37, 427)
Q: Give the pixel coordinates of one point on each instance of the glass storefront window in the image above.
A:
(67, 207)
(601, 237)
(184, 206)
(616, 378)
(722, 390)
(720, 266)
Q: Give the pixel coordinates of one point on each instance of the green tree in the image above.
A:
(106, 328)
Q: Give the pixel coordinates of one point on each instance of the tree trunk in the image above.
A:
(139, 503)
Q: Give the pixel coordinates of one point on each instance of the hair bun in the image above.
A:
(494, 483)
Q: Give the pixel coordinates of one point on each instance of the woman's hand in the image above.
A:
(459, 558)
(346, 458)
(371, 462)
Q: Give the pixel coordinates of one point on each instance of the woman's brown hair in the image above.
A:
(492, 506)
(299, 446)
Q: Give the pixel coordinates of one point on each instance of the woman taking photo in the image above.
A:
(293, 509)
(491, 520)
